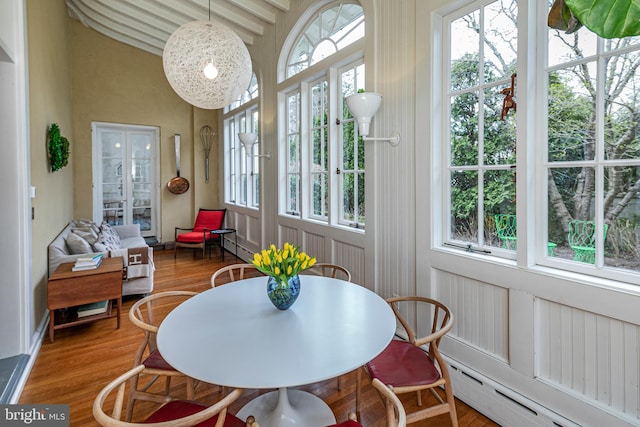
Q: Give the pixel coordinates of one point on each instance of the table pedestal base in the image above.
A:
(285, 408)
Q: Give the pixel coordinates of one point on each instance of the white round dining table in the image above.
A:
(232, 335)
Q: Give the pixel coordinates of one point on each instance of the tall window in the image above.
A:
(481, 152)
(324, 171)
(242, 173)
(587, 142)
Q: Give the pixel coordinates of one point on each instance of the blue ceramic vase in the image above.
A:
(283, 294)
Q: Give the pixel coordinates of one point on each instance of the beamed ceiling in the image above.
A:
(147, 24)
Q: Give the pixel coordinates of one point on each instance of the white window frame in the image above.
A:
(532, 164)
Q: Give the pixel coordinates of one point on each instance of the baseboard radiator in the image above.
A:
(499, 403)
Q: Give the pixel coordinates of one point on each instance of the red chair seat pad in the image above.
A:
(193, 237)
(403, 364)
(183, 408)
(156, 361)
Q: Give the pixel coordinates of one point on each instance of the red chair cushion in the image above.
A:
(183, 408)
(209, 219)
(156, 361)
(348, 423)
(193, 237)
(403, 364)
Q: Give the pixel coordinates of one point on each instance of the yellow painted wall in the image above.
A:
(50, 102)
(117, 83)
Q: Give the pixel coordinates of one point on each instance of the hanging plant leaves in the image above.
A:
(607, 18)
(561, 18)
(58, 148)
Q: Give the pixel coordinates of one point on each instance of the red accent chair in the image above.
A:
(175, 412)
(416, 364)
(200, 236)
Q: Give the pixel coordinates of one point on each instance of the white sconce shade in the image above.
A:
(363, 106)
(248, 139)
(207, 64)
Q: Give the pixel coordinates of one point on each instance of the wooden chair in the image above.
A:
(416, 364)
(147, 314)
(396, 415)
(329, 270)
(200, 236)
(582, 239)
(173, 413)
(334, 271)
(233, 272)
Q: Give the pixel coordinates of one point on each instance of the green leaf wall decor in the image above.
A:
(58, 148)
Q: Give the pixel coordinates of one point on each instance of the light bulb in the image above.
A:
(210, 71)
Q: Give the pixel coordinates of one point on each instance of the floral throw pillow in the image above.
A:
(105, 243)
(107, 230)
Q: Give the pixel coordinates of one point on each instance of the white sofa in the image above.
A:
(67, 247)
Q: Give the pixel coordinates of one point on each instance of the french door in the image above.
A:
(126, 175)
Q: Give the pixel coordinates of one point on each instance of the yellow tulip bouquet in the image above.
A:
(284, 263)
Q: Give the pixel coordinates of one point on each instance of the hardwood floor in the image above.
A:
(81, 360)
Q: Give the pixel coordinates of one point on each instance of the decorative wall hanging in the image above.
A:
(206, 137)
(58, 148)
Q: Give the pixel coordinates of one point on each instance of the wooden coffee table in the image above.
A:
(67, 289)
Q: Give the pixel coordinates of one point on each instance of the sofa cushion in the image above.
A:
(108, 232)
(106, 243)
(78, 245)
(86, 233)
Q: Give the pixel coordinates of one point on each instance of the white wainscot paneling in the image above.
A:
(350, 257)
(253, 230)
(288, 234)
(590, 355)
(480, 311)
(314, 245)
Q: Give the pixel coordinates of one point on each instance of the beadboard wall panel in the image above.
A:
(391, 74)
(592, 355)
(481, 312)
(351, 257)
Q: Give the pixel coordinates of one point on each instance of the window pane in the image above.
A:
(622, 239)
(499, 135)
(500, 208)
(327, 32)
(292, 205)
(464, 206)
(501, 31)
(571, 115)
(348, 183)
(464, 129)
(621, 107)
(465, 51)
(568, 47)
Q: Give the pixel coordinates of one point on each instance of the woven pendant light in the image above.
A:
(207, 64)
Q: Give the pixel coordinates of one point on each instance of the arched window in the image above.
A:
(329, 31)
(323, 163)
(241, 173)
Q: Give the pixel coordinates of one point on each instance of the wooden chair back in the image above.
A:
(233, 272)
(115, 393)
(329, 270)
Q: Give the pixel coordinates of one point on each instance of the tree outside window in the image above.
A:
(591, 158)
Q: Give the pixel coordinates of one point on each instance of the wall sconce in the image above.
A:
(363, 106)
(248, 139)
